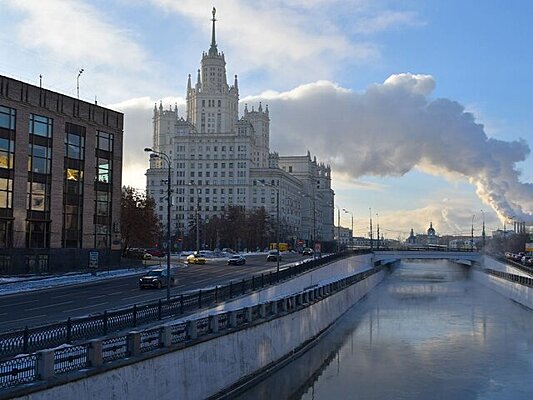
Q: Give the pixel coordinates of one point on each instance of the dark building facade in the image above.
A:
(60, 180)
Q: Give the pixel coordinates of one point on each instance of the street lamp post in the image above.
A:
(371, 241)
(78, 83)
(483, 231)
(351, 213)
(338, 229)
(377, 233)
(278, 219)
(165, 157)
(472, 234)
(313, 239)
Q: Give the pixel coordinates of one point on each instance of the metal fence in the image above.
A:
(523, 280)
(46, 364)
(74, 330)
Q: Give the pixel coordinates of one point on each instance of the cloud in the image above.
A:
(74, 30)
(393, 127)
(60, 37)
(294, 40)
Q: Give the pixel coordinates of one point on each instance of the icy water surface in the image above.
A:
(427, 332)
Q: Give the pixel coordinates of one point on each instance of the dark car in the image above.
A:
(237, 259)
(273, 255)
(156, 252)
(156, 278)
(307, 252)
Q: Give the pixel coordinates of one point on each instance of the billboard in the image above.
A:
(529, 247)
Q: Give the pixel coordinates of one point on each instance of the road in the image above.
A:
(57, 304)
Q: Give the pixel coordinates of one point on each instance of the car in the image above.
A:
(237, 259)
(307, 252)
(195, 259)
(273, 255)
(156, 278)
(139, 254)
(156, 252)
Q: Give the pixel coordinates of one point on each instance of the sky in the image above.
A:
(421, 107)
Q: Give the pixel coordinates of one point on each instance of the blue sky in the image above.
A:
(387, 139)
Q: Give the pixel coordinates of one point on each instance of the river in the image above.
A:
(427, 331)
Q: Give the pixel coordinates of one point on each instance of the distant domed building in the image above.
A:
(432, 238)
(422, 239)
(412, 238)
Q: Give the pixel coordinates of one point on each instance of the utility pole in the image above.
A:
(483, 232)
(197, 220)
(371, 242)
(165, 157)
(472, 234)
(377, 219)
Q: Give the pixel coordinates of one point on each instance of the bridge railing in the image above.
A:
(73, 330)
(52, 363)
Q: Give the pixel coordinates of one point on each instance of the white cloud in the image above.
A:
(394, 127)
(76, 31)
(295, 40)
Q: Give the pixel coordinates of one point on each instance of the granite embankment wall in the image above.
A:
(513, 290)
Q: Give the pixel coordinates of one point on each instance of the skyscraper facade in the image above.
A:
(219, 158)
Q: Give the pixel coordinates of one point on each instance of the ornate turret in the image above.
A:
(431, 231)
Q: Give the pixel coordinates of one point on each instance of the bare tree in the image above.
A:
(140, 225)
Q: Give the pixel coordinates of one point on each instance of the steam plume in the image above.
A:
(393, 127)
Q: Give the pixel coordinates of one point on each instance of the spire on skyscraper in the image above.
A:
(213, 51)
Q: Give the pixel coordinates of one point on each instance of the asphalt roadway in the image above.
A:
(57, 304)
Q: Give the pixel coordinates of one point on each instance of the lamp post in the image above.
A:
(197, 216)
(377, 233)
(313, 239)
(278, 219)
(472, 234)
(371, 242)
(483, 231)
(338, 229)
(351, 238)
(165, 157)
(78, 83)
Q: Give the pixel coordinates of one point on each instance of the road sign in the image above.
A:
(93, 259)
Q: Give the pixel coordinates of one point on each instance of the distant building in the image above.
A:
(421, 239)
(345, 238)
(60, 180)
(219, 159)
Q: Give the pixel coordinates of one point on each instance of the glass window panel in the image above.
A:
(40, 165)
(74, 175)
(4, 199)
(5, 144)
(74, 139)
(71, 221)
(5, 160)
(102, 196)
(5, 121)
(37, 202)
(40, 151)
(102, 208)
(5, 184)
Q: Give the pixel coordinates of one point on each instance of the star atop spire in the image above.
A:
(213, 49)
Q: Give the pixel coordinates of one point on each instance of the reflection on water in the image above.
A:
(427, 332)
